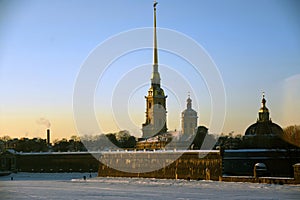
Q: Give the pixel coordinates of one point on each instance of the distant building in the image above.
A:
(189, 119)
(155, 100)
(263, 143)
(264, 133)
(8, 160)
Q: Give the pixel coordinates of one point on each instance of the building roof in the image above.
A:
(264, 128)
(264, 125)
(189, 110)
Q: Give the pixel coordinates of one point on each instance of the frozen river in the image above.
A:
(73, 186)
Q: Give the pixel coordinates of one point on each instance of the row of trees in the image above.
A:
(64, 145)
(23, 144)
(111, 141)
(292, 135)
(121, 139)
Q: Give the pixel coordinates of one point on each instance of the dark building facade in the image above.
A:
(8, 161)
(263, 143)
(48, 162)
(279, 162)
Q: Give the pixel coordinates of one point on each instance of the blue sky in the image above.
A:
(255, 45)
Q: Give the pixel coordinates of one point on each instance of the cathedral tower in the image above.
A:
(156, 100)
(189, 119)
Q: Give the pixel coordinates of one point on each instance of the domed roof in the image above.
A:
(264, 128)
(264, 133)
(264, 125)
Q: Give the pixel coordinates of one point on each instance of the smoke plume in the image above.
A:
(44, 121)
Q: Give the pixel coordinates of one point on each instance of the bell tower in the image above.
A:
(189, 118)
(155, 100)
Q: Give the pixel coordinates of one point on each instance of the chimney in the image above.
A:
(48, 136)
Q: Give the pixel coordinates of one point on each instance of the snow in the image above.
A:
(73, 186)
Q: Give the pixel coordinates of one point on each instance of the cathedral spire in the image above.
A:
(155, 55)
(155, 80)
(156, 114)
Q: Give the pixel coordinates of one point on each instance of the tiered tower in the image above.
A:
(189, 119)
(156, 100)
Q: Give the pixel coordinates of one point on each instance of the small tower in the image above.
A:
(189, 118)
(156, 100)
(263, 114)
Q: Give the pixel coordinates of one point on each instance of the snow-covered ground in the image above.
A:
(73, 186)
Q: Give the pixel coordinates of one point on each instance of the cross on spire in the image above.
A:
(155, 3)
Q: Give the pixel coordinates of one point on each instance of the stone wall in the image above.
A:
(188, 165)
(56, 162)
(297, 172)
(279, 162)
(267, 180)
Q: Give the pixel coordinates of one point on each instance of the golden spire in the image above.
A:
(263, 111)
(155, 80)
(263, 102)
(155, 58)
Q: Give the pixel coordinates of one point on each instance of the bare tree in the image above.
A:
(292, 135)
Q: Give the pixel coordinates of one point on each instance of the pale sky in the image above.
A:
(255, 45)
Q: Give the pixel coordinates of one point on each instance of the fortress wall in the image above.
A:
(189, 165)
(56, 162)
(279, 162)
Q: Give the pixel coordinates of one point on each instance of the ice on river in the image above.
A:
(73, 186)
